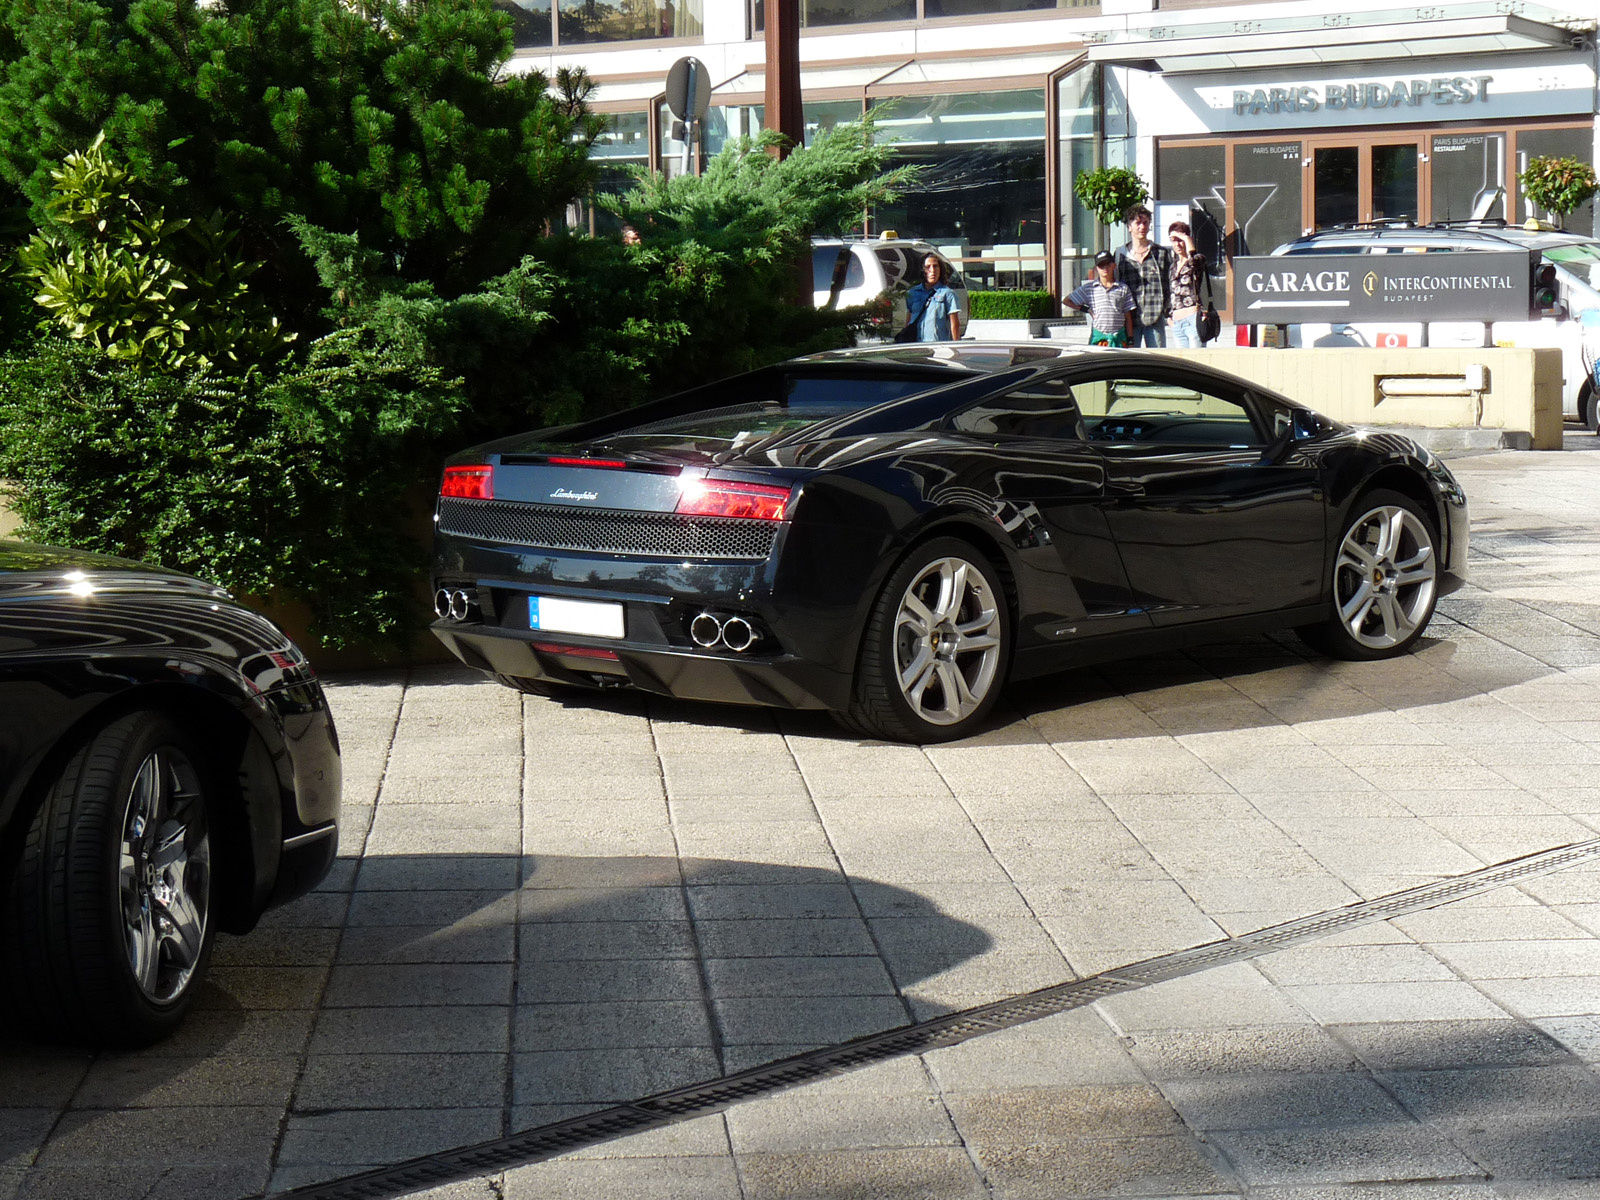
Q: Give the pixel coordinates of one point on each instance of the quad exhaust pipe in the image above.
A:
(454, 604)
(709, 630)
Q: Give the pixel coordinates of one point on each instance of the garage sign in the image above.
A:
(1293, 289)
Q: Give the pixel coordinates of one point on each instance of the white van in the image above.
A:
(846, 272)
(1567, 316)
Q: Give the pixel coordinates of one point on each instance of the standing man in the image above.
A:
(932, 309)
(1108, 303)
(1145, 269)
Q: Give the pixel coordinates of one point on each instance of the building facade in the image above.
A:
(1264, 120)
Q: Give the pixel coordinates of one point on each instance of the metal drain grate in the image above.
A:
(714, 1095)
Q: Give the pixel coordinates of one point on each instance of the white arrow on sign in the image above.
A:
(1301, 304)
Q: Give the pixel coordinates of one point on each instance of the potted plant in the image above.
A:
(1560, 186)
(1109, 192)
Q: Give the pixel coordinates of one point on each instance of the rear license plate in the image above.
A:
(594, 618)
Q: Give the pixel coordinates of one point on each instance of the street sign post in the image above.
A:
(689, 99)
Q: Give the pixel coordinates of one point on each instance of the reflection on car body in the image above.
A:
(168, 769)
(902, 529)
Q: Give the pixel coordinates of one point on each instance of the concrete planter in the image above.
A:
(1008, 331)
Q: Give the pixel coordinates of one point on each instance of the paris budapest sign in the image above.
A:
(1292, 289)
(1357, 97)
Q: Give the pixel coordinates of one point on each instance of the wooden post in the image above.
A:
(783, 111)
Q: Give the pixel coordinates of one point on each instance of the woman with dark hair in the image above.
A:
(1187, 271)
(932, 310)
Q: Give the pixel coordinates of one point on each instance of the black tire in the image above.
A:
(113, 871)
(1589, 408)
(958, 687)
(1385, 580)
(532, 687)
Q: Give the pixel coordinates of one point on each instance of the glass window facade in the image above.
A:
(1077, 102)
(1198, 176)
(530, 22)
(1559, 143)
(587, 21)
(1469, 172)
(626, 142)
(1266, 195)
(980, 189)
(854, 12)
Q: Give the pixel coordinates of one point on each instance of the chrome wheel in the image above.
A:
(1385, 577)
(947, 641)
(164, 874)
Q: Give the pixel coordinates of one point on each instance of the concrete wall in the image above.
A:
(1523, 391)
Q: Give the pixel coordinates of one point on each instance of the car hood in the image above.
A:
(25, 566)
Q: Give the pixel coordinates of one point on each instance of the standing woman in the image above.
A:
(1188, 266)
(932, 308)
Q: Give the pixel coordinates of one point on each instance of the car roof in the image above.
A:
(1442, 235)
(988, 358)
(823, 242)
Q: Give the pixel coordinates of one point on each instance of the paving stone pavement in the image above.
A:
(548, 907)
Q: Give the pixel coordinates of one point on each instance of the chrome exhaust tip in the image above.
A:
(706, 629)
(738, 634)
(460, 605)
(441, 603)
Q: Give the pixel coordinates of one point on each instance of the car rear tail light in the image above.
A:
(1244, 335)
(610, 464)
(474, 482)
(722, 498)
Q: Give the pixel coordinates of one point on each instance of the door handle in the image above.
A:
(1125, 487)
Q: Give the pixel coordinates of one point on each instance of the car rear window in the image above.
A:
(824, 261)
(800, 400)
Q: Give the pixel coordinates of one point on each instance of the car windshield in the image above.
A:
(1582, 261)
(803, 400)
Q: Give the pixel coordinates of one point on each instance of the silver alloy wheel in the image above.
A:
(947, 641)
(164, 874)
(1385, 577)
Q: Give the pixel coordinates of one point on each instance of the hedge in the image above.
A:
(1011, 306)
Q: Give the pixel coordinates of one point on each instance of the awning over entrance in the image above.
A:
(1297, 41)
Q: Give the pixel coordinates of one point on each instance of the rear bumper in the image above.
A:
(780, 681)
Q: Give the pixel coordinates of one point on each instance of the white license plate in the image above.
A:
(594, 618)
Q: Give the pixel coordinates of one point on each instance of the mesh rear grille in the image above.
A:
(553, 527)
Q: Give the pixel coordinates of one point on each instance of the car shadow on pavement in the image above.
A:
(424, 1001)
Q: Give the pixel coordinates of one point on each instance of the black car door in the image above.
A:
(1051, 488)
(1214, 512)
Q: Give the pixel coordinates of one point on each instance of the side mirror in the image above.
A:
(1306, 424)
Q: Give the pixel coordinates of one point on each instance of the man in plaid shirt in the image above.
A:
(1108, 303)
(1145, 269)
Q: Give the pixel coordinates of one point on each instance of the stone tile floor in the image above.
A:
(546, 907)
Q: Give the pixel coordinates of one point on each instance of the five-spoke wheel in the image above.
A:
(106, 916)
(934, 657)
(1385, 580)
(164, 874)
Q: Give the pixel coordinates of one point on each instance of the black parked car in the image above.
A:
(168, 769)
(892, 533)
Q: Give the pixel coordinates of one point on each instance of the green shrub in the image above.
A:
(115, 271)
(287, 482)
(1010, 306)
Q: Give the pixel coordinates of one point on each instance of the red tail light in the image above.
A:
(1244, 335)
(610, 464)
(475, 482)
(721, 498)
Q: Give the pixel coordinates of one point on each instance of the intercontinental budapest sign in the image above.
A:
(1294, 289)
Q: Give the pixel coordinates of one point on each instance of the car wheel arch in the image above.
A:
(231, 743)
(983, 538)
(1396, 477)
